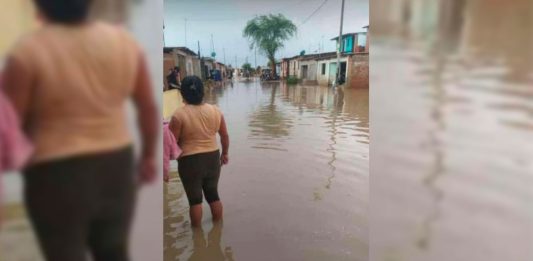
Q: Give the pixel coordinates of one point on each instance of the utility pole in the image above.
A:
(339, 50)
(203, 73)
(224, 51)
(255, 54)
(199, 56)
(212, 47)
(185, 32)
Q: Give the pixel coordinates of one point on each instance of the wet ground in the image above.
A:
(17, 242)
(296, 187)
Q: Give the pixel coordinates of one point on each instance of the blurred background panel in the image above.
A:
(145, 20)
(141, 17)
(452, 129)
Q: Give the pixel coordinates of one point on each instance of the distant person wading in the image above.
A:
(195, 127)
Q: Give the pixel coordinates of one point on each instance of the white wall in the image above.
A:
(324, 79)
(311, 70)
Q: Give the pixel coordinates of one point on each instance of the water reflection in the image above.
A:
(452, 120)
(435, 147)
(269, 120)
(297, 151)
(210, 249)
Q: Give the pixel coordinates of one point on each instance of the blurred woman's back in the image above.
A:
(69, 82)
(82, 76)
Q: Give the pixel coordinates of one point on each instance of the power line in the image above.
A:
(309, 17)
(284, 9)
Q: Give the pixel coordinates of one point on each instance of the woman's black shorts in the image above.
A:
(200, 172)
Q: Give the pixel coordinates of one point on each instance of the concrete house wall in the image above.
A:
(169, 62)
(311, 71)
(327, 78)
(284, 69)
(294, 69)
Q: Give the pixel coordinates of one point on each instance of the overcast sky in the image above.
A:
(225, 20)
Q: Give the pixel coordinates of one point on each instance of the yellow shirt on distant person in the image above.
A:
(199, 127)
(83, 76)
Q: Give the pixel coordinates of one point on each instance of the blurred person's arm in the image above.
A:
(224, 139)
(175, 127)
(17, 84)
(147, 120)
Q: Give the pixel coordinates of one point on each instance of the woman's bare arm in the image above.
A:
(224, 139)
(175, 127)
(147, 115)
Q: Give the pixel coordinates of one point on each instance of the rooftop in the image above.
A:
(182, 49)
(348, 34)
(314, 56)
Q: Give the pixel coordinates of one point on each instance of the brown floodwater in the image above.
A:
(452, 131)
(296, 187)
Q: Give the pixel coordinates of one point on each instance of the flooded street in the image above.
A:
(296, 187)
(452, 126)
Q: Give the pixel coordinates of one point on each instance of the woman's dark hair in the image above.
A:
(192, 90)
(65, 11)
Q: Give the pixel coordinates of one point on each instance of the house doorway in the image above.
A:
(332, 73)
(304, 72)
(343, 73)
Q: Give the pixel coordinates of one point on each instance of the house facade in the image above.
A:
(354, 42)
(327, 68)
(182, 57)
(358, 71)
(321, 68)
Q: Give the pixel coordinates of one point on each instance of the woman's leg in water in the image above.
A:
(210, 185)
(190, 170)
(216, 210)
(195, 213)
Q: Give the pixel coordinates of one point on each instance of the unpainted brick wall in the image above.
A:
(358, 71)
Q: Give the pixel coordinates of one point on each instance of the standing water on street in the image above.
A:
(297, 184)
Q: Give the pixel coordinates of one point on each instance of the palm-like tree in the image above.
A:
(247, 68)
(267, 33)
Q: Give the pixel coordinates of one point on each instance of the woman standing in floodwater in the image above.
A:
(70, 81)
(195, 127)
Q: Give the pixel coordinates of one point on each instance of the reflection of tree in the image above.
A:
(270, 121)
(436, 146)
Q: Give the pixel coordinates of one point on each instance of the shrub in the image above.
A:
(292, 80)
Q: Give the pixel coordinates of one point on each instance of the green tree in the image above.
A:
(247, 69)
(267, 33)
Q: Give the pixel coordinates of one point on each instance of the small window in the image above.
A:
(323, 69)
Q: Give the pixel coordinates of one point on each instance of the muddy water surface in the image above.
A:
(296, 187)
(452, 126)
